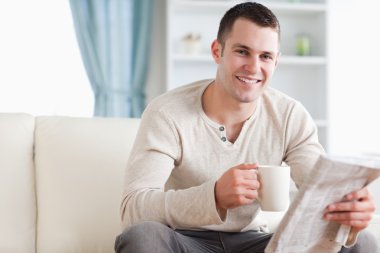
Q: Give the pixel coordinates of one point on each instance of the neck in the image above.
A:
(225, 110)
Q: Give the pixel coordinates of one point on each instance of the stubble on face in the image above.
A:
(247, 61)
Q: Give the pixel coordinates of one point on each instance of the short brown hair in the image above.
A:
(255, 12)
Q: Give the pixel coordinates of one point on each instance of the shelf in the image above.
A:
(303, 60)
(293, 75)
(294, 60)
(275, 7)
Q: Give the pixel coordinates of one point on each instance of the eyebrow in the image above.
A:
(238, 45)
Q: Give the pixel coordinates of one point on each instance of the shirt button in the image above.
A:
(221, 128)
(223, 139)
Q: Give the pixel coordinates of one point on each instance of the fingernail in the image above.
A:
(331, 207)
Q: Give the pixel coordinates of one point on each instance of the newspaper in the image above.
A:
(303, 229)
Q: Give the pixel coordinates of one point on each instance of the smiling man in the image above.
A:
(191, 183)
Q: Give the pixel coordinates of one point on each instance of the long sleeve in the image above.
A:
(304, 150)
(302, 146)
(179, 154)
(156, 151)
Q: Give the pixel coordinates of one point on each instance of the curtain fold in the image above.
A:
(114, 40)
(140, 57)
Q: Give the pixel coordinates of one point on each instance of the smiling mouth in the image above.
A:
(248, 81)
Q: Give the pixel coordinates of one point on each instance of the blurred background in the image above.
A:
(110, 58)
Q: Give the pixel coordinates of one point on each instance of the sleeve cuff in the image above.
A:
(194, 207)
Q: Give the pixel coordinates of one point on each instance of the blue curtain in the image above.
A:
(114, 40)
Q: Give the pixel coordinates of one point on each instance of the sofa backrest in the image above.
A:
(80, 165)
(77, 177)
(17, 196)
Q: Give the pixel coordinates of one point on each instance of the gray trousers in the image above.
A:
(153, 237)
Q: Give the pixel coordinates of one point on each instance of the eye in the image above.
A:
(267, 57)
(242, 52)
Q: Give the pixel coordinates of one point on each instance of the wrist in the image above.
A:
(221, 211)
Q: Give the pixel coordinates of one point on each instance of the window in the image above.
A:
(41, 68)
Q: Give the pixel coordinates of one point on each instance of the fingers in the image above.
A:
(357, 220)
(247, 179)
(358, 195)
(349, 216)
(357, 201)
(352, 206)
(247, 166)
(249, 174)
(246, 182)
(356, 210)
(244, 198)
(243, 172)
(249, 194)
(250, 184)
(237, 186)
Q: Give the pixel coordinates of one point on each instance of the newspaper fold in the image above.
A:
(303, 229)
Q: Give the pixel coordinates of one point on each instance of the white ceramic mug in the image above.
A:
(274, 187)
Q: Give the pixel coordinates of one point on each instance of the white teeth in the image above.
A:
(249, 81)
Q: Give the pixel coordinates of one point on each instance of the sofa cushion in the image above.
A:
(80, 164)
(17, 195)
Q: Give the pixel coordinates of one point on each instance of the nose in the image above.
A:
(252, 65)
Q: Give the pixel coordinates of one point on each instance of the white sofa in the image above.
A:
(61, 182)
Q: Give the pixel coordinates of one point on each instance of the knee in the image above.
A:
(142, 237)
(366, 243)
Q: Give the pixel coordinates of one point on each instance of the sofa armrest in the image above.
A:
(18, 200)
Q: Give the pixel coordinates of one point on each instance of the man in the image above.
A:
(191, 184)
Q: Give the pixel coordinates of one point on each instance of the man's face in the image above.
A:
(247, 62)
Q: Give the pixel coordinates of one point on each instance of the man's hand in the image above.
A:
(236, 187)
(356, 210)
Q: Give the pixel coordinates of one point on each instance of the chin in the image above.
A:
(247, 99)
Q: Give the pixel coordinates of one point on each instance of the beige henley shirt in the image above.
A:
(179, 153)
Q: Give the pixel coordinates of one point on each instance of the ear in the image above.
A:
(277, 59)
(216, 51)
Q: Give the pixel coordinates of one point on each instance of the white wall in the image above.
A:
(41, 67)
(354, 76)
(354, 79)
